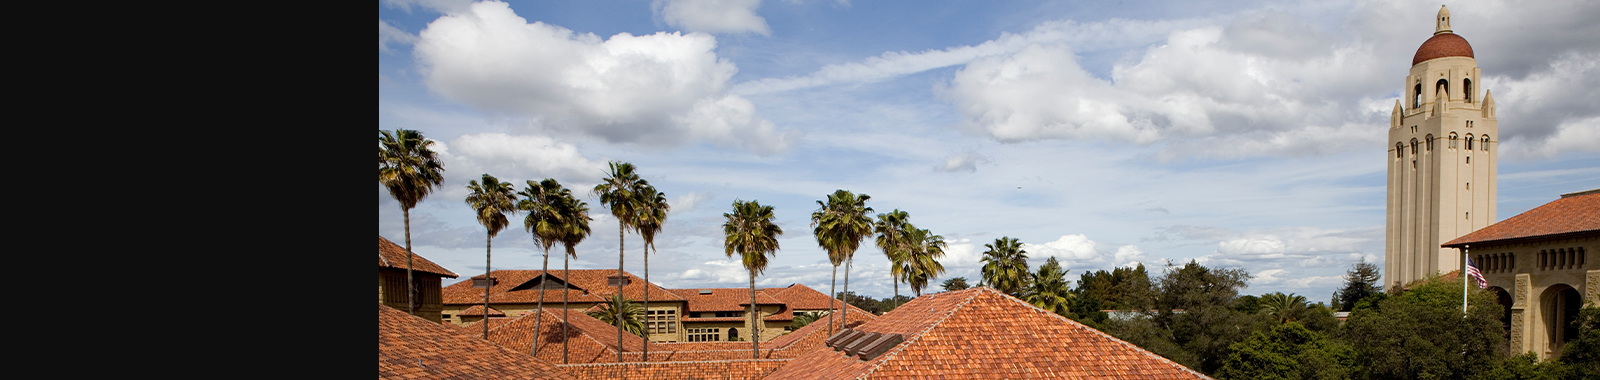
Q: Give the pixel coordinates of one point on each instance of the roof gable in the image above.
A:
(513, 286)
(1572, 214)
(391, 255)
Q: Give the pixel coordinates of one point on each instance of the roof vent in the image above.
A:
(878, 346)
(834, 340)
(854, 348)
(705, 291)
(845, 338)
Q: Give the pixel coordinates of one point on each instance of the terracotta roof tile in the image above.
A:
(723, 299)
(981, 333)
(801, 297)
(720, 369)
(477, 311)
(594, 281)
(414, 348)
(1440, 46)
(588, 339)
(391, 255)
(1574, 213)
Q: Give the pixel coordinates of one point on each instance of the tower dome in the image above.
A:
(1444, 43)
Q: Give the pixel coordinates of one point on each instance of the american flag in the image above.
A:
(1474, 274)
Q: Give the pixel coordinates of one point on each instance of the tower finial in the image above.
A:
(1442, 24)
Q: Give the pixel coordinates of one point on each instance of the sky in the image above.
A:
(1238, 134)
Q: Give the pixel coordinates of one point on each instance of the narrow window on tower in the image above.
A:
(1399, 149)
(1453, 139)
(1469, 141)
(1416, 96)
(1486, 142)
(1414, 147)
(1442, 89)
(1429, 140)
(1469, 123)
(1466, 89)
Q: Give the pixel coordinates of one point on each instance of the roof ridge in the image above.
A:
(1080, 326)
(673, 362)
(887, 356)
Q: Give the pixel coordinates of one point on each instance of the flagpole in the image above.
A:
(1464, 264)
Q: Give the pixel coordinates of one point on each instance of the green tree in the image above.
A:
(622, 312)
(893, 230)
(753, 236)
(1005, 266)
(409, 168)
(492, 200)
(1049, 289)
(1122, 288)
(574, 216)
(619, 191)
(1288, 352)
(1582, 355)
(922, 260)
(1283, 307)
(805, 318)
(839, 225)
(652, 213)
(1194, 320)
(542, 201)
(1421, 333)
(958, 283)
(1360, 282)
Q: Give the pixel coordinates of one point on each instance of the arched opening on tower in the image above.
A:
(1416, 96)
(1442, 89)
(1466, 89)
(1559, 306)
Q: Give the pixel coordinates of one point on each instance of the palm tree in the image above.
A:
(574, 227)
(410, 170)
(492, 200)
(892, 229)
(1050, 289)
(1005, 265)
(541, 200)
(652, 214)
(839, 226)
(922, 262)
(619, 191)
(1284, 307)
(753, 236)
(621, 311)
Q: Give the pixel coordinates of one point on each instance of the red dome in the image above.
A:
(1442, 45)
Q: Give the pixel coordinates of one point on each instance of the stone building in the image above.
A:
(1442, 158)
(1538, 264)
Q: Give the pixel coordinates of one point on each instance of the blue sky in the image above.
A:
(1240, 134)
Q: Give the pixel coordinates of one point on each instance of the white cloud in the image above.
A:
(517, 158)
(965, 161)
(688, 202)
(1071, 249)
(389, 34)
(1128, 256)
(713, 16)
(660, 90)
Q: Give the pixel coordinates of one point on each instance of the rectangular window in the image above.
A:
(730, 314)
(663, 321)
(705, 335)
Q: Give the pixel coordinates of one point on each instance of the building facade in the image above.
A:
(1442, 158)
(1538, 263)
(392, 280)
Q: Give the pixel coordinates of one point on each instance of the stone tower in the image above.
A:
(1442, 159)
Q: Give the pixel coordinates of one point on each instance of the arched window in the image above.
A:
(1442, 89)
(1469, 141)
(733, 333)
(1485, 142)
(1413, 147)
(1399, 149)
(1453, 139)
(1416, 96)
(1429, 140)
(1466, 89)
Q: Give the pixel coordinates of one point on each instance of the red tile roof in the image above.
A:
(477, 311)
(981, 333)
(723, 299)
(391, 255)
(594, 281)
(414, 348)
(800, 297)
(588, 340)
(1440, 46)
(720, 369)
(1575, 213)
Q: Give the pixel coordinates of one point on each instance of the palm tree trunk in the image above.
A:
(832, 286)
(755, 321)
(538, 320)
(411, 287)
(565, 268)
(844, 298)
(646, 357)
(488, 258)
(896, 302)
(620, 278)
